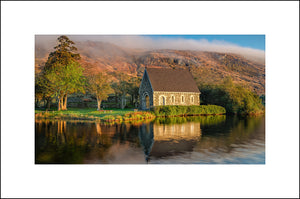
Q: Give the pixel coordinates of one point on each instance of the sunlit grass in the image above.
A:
(91, 113)
(125, 115)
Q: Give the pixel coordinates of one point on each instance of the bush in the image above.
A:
(168, 111)
(119, 117)
(138, 115)
(108, 118)
(233, 97)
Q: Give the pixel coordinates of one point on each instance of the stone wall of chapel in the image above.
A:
(145, 87)
(178, 97)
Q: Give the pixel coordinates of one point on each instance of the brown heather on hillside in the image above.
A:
(206, 67)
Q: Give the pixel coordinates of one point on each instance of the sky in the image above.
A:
(249, 41)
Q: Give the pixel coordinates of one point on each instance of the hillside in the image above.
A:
(206, 67)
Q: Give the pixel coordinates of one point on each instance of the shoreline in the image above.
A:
(122, 115)
(109, 116)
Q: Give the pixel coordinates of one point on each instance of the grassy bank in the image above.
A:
(119, 115)
(92, 114)
(171, 111)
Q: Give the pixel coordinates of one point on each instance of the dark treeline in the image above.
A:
(235, 98)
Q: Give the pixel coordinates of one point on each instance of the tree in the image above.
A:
(233, 97)
(99, 86)
(62, 74)
(41, 91)
(133, 89)
(63, 80)
(121, 87)
(65, 52)
(38, 93)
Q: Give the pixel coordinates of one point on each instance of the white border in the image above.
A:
(279, 21)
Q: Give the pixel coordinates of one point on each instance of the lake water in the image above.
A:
(190, 140)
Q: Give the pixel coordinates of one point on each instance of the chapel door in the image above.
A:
(147, 102)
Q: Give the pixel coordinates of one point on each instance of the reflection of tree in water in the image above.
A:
(125, 133)
(70, 142)
(89, 142)
(175, 136)
(59, 141)
(234, 132)
(210, 120)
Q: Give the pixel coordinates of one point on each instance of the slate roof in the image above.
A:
(172, 80)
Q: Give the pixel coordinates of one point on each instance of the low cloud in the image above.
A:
(150, 43)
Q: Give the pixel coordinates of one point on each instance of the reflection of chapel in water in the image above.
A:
(161, 140)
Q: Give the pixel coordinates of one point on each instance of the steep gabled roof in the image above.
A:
(172, 80)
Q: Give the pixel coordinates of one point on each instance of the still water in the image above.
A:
(190, 140)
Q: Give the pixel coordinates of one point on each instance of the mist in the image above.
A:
(149, 43)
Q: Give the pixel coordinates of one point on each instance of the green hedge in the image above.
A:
(188, 110)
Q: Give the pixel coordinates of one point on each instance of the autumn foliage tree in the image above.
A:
(99, 85)
(63, 80)
(62, 74)
(65, 52)
(121, 87)
(41, 91)
(133, 89)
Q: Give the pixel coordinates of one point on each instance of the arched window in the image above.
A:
(173, 99)
(182, 98)
(162, 100)
(192, 99)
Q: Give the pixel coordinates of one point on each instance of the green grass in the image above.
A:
(119, 115)
(93, 114)
(170, 111)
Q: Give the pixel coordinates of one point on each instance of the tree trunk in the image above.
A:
(117, 101)
(64, 105)
(123, 102)
(132, 99)
(48, 103)
(59, 102)
(39, 103)
(99, 103)
(36, 103)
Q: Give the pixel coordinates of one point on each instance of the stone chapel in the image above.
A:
(167, 86)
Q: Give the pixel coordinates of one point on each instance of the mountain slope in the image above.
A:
(206, 67)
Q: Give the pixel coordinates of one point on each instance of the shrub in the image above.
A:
(138, 115)
(108, 118)
(234, 97)
(169, 111)
(119, 117)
